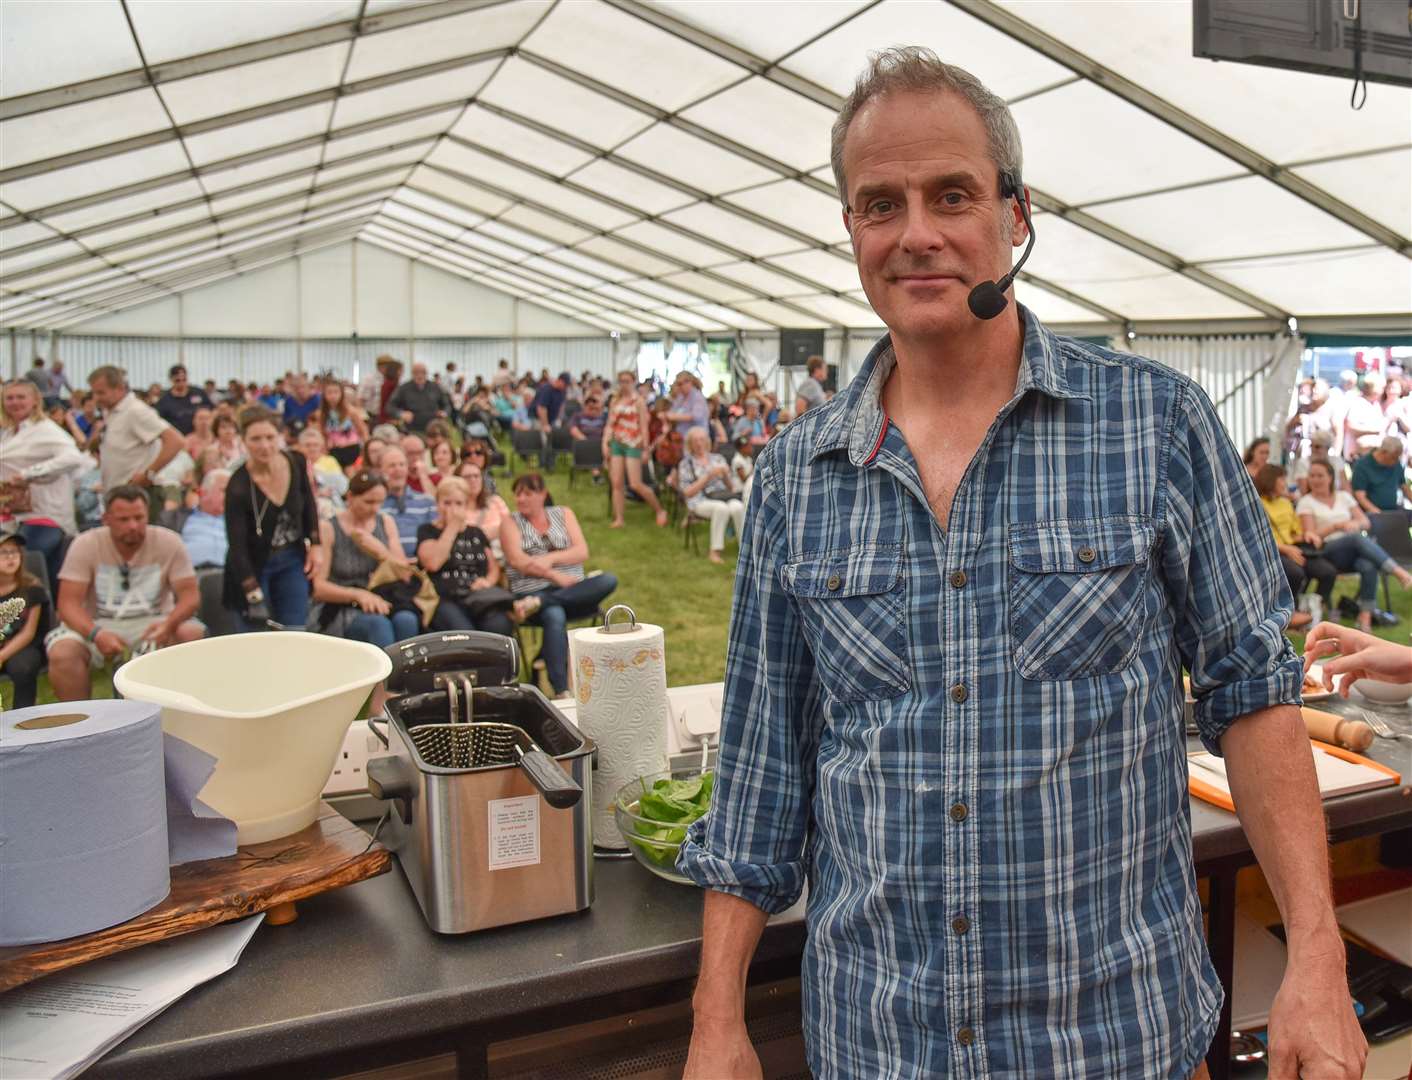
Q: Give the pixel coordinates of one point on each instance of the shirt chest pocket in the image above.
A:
(1078, 596)
(853, 608)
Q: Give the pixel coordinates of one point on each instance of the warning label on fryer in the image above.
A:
(514, 832)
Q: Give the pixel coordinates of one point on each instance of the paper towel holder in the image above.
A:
(620, 628)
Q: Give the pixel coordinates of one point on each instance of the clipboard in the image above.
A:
(1207, 792)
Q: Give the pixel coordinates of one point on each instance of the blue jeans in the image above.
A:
(49, 541)
(1355, 552)
(557, 607)
(452, 616)
(383, 630)
(286, 588)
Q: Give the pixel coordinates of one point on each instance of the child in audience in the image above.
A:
(21, 639)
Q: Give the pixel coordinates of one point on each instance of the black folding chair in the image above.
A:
(527, 443)
(219, 619)
(588, 455)
(1390, 530)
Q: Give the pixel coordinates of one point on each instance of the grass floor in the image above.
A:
(687, 596)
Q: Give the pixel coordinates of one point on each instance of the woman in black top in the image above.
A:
(22, 638)
(273, 527)
(459, 560)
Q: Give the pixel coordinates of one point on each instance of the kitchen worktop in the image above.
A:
(360, 969)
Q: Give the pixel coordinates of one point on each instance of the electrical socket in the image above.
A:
(350, 771)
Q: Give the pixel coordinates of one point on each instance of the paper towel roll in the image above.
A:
(620, 684)
(83, 818)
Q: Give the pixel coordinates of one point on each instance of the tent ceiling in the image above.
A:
(665, 166)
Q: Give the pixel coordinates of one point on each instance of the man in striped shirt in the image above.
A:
(953, 704)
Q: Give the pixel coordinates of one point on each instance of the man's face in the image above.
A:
(299, 387)
(419, 374)
(213, 495)
(394, 469)
(179, 383)
(924, 210)
(311, 443)
(127, 522)
(1384, 457)
(106, 394)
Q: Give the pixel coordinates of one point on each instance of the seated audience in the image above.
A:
(1256, 456)
(1379, 477)
(228, 445)
(272, 521)
(478, 451)
(485, 509)
(409, 509)
(84, 423)
(202, 432)
(417, 465)
(704, 480)
(1300, 568)
(457, 555)
(1320, 444)
(624, 442)
(38, 464)
(544, 553)
(178, 406)
(1333, 525)
(22, 638)
(300, 404)
(751, 425)
(204, 530)
(443, 462)
(743, 466)
(341, 422)
(126, 586)
(589, 424)
(358, 539)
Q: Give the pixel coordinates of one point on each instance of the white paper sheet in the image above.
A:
(56, 1027)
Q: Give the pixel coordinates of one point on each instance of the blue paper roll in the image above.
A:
(83, 818)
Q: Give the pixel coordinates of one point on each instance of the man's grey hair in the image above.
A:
(108, 375)
(912, 68)
(1391, 445)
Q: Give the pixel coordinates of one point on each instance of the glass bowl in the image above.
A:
(654, 844)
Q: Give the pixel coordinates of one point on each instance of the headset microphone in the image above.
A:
(987, 300)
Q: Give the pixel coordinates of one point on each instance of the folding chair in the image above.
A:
(1390, 530)
(219, 619)
(526, 443)
(588, 455)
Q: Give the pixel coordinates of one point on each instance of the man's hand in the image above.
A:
(159, 633)
(109, 644)
(721, 1050)
(313, 560)
(141, 478)
(406, 417)
(1313, 1029)
(1360, 656)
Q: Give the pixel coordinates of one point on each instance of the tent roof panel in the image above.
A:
(767, 28)
(253, 171)
(153, 204)
(54, 132)
(707, 166)
(828, 270)
(168, 31)
(25, 233)
(545, 224)
(257, 134)
(723, 292)
(433, 204)
(78, 181)
(541, 95)
(1369, 281)
(248, 85)
(766, 117)
(672, 244)
(456, 85)
(1051, 308)
(777, 313)
(494, 27)
(1378, 184)
(92, 37)
(552, 155)
(711, 221)
(624, 185)
(801, 208)
(613, 47)
(762, 279)
(644, 262)
(375, 144)
(459, 192)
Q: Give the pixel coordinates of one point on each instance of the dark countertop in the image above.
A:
(360, 968)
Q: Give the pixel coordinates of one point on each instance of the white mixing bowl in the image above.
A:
(272, 708)
(1384, 693)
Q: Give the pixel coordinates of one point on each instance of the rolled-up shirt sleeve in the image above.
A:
(753, 842)
(1223, 576)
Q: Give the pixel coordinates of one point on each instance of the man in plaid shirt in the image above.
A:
(953, 699)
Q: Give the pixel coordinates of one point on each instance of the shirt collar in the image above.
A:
(858, 422)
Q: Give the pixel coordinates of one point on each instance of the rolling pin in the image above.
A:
(1338, 730)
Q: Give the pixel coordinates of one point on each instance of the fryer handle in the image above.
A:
(382, 735)
(386, 780)
(559, 790)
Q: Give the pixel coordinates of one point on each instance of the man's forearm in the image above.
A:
(730, 930)
(1276, 794)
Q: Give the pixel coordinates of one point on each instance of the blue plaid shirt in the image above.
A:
(970, 741)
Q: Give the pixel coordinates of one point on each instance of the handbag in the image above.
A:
(415, 592)
(492, 598)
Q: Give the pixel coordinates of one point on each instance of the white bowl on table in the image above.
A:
(271, 708)
(1384, 693)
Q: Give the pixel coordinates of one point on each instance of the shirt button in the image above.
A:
(958, 693)
(959, 811)
(1087, 554)
(834, 582)
(965, 1036)
(960, 924)
(958, 579)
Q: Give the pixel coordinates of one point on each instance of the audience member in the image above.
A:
(1397, 408)
(1319, 445)
(810, 394)
(457, 555)
(1299, 567)
(203, 432)
(743, 466)
(624, 439)
(137, 443)
(420, 401)
(377, 386)
(1364, 423)
(22, 638)
(688, 409)
(371, 457)
(1333, 525)
(548, 403)
(544, 553)
(38, 377)
(341, 421)
(273, 398)
(300, 404)
(750, 388)
(272, 523)
(417, 464)
(751, 424)
(409, 509)
(1379, 477)
(704, 480)
(126, 586)
(326, 479)
(84, 423)
(179, 404)
(229, 448)
(443, 463)
(359, 538)
(38, 465)
(1256, 456)
(503, 375)
(204, 530)
(485, 509)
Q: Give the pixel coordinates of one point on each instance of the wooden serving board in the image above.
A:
(330, 853)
